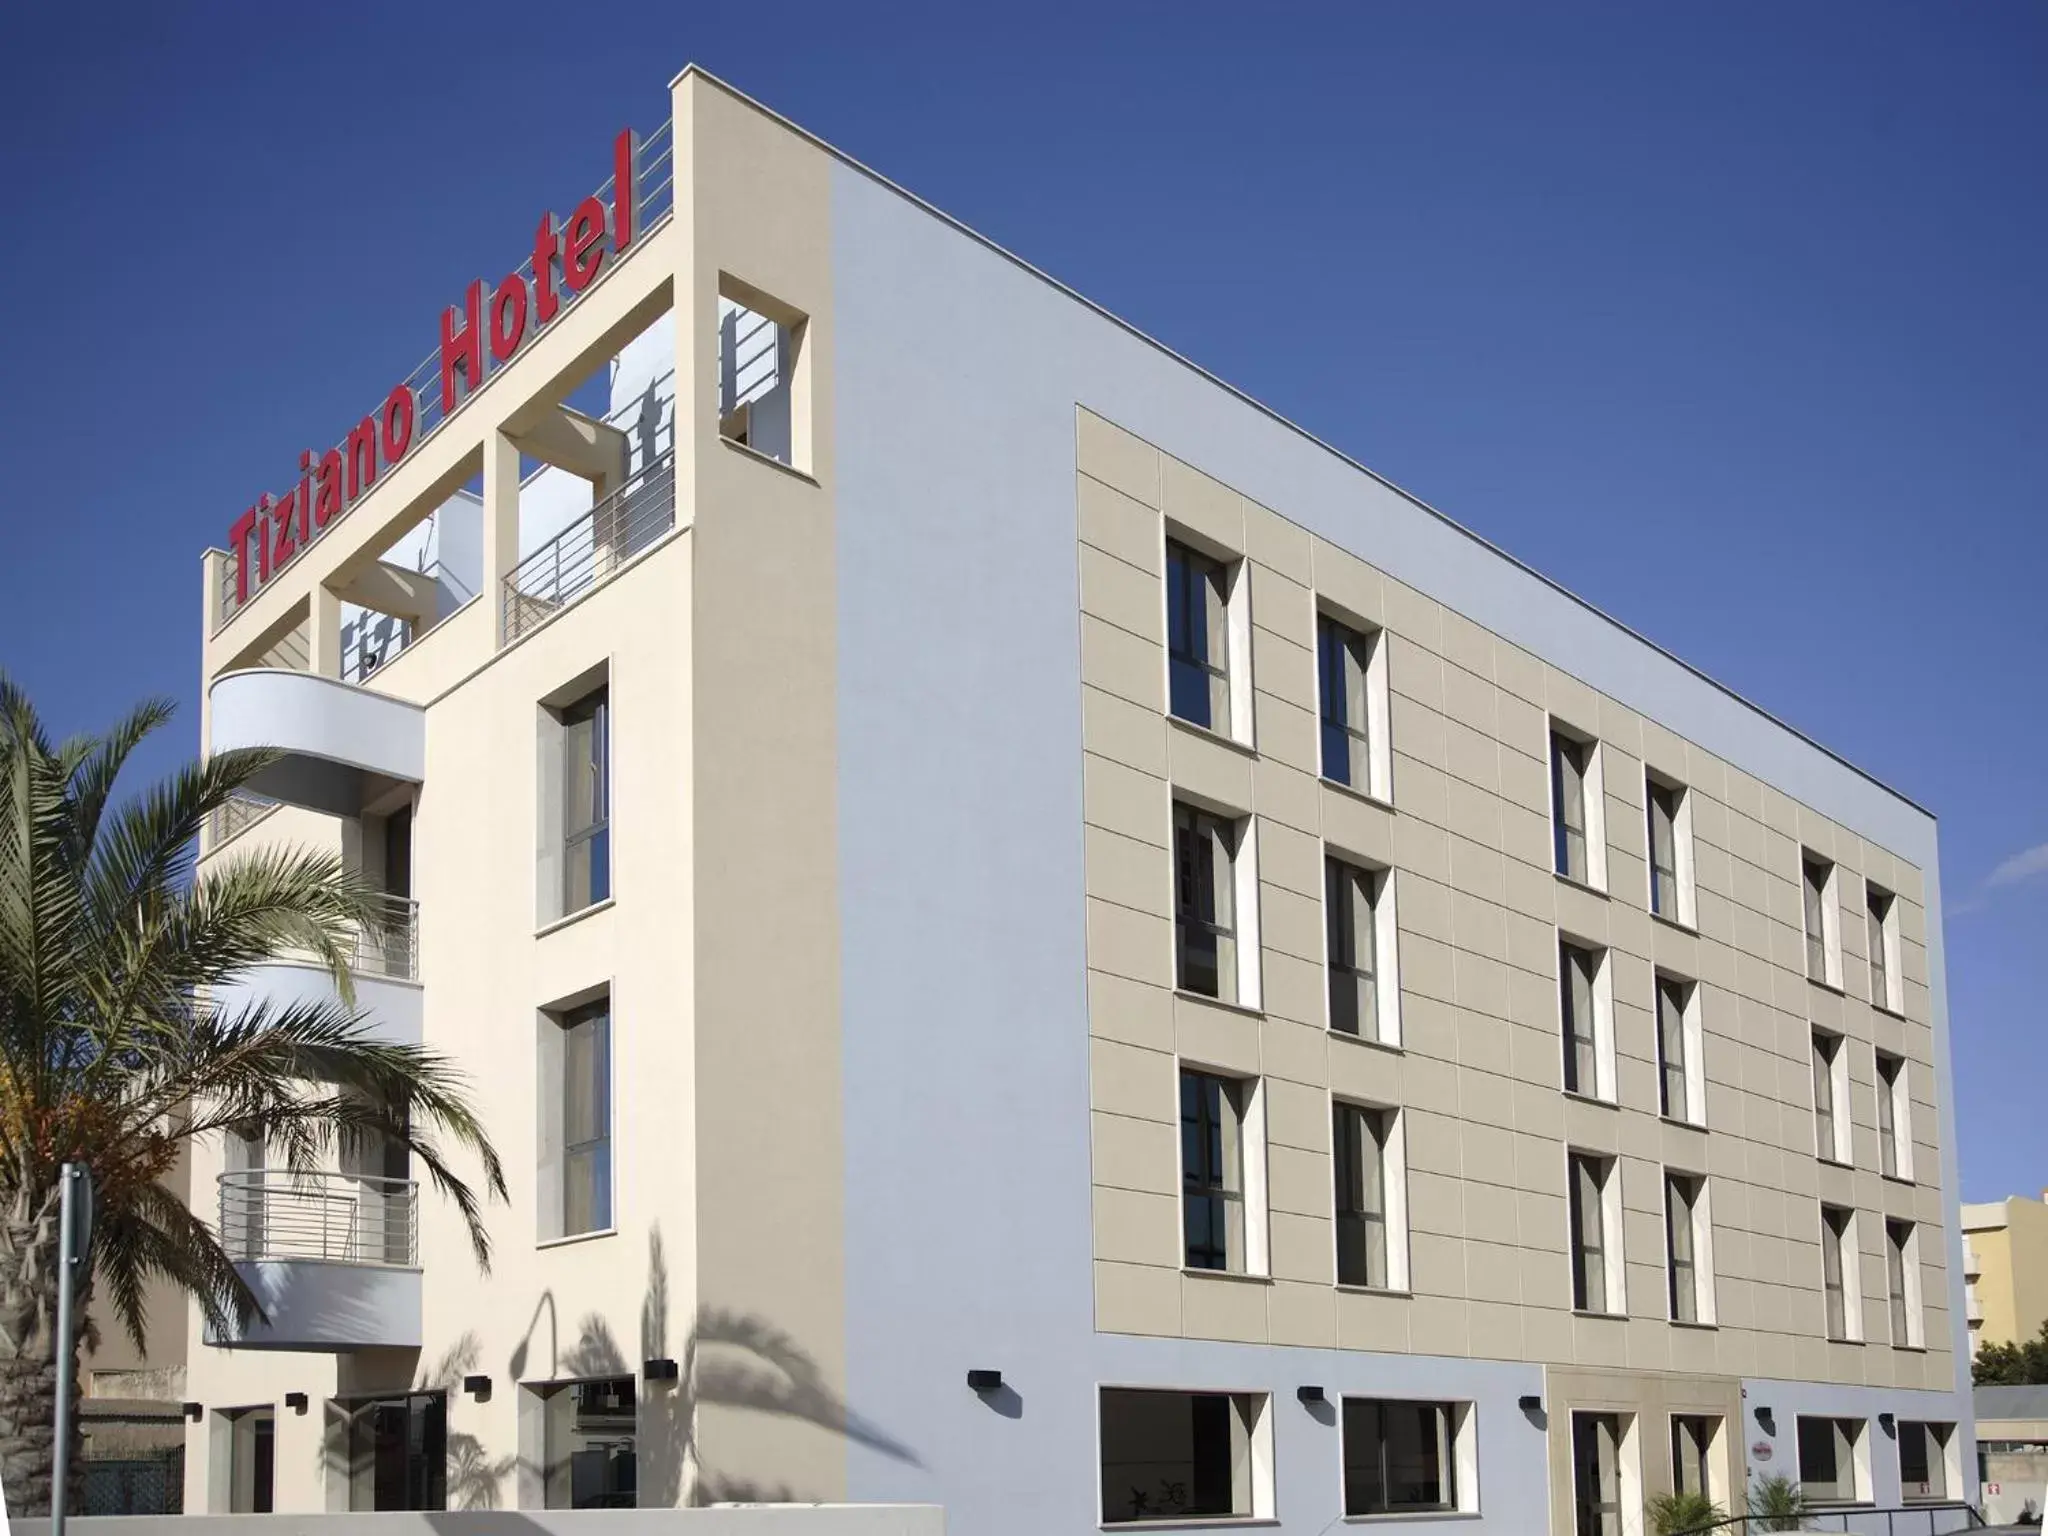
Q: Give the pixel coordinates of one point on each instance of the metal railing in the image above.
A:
(341, 1218)
(388, 944)
(1933, 1518)
(654, 175)
(590, 549)
(242, 811)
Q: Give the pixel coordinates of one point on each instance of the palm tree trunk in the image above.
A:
(28, 1359)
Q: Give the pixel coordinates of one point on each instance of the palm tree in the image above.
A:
(111, 943)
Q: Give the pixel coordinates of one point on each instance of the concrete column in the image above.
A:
(323, 631)
(501, 524)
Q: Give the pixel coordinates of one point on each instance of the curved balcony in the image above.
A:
(341, 743)
(385, 964)
(332, 1257)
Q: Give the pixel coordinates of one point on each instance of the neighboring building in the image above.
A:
(2012, 1452)
(2005, 1265)
(1036, 939)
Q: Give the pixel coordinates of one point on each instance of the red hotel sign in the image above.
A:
(567, 257)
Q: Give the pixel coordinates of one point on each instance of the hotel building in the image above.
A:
(1036, 939)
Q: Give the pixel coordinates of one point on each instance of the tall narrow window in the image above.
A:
(1681, 1250)
(1568, 762)
(1360, 1138)
(252, 1461)
(586, 1120)
(586, 808)
(1830, 1129)
(1596, 1474)
(1344, 670)
(1590, 1257)
(1578, 1001)
(1902, 1284)
(1672, 1053)
(398, 1452)
(1923, 1460)
(1837, 1272)
(1817, 877)
(1399, 1457)
(1350, 903)
(1197, 638)
(1828, 1473)
(1894, 1131)
(1663, 813)
(1212, 1166)
(590, 1438)
(1692, 1447)
(1879, 907)
(1205, 902)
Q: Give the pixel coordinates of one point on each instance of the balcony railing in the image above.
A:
(336, 1218)
(387, 945)
(654, 176)
(242, 811)
(590, 549)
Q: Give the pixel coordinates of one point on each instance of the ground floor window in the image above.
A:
(590, 1444)
(252, 1460)
(1923, 1460)
(1174, 1456)
(1400, 1456)
(398, 1452)
(1828, 1453)
(1596, 1473)
(1692, 1444)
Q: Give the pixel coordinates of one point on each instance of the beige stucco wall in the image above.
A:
(1480, 911)
(2010, 1241)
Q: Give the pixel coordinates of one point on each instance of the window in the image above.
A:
(1577, 816)
(1923, 1460)
(1894, 1124)
(1669, 809)
(1360, 942)
(1823, 932)
(1586, 1009)
(1596, 1473)
(1830, 1451)
(575, 808)
(1830, 1098)
(1371, 1226)
(1902, 1283)
(1197, 638)
(1213, 1116)
(1881, 907)
(1596, 1234)
(575, 1142)
(398, 1452)
(1205, 903)
(590, 1438)
(764, 374)
(1400, 1457)
(1841, 1294)
(1688, 1244)
(1178, 1456)
(1692, 1446)
(1681, 1072)
(252, 1460)
(1352, 679)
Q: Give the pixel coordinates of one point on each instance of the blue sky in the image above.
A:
(1729, 317)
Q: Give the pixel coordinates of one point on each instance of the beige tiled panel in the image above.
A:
(1479, 914)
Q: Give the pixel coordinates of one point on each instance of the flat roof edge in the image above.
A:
(1300, 431)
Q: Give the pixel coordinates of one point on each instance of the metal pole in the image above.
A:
(67, 1344)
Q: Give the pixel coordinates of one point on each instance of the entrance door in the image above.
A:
(1596, 1473)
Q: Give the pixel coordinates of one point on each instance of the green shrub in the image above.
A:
(1778, 1502)
(1676, 1514)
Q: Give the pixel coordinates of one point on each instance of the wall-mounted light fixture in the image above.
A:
(195, 1411)
(1888, 1422)
(658, 1370)
(296, 1401)
(984, 1381)
(1309, 1394)
(1764, 1419)
(1531, 1402)
(478, 1387)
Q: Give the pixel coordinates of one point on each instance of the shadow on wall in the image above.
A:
(731, 1359)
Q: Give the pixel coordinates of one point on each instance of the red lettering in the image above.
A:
(625, 188)
(238, 541)
(583, 251)
(362, 457)
(398, 423)
(508, 317)
(462, 351)
(546, 246)
(263, 537)
(284, 516)
(305, 497)
(328, 505)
